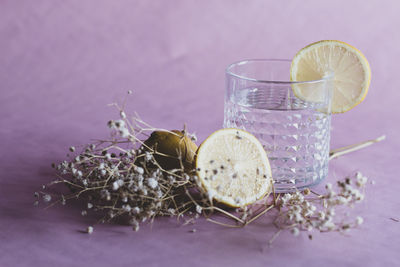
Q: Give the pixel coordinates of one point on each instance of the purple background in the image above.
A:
(62, 62)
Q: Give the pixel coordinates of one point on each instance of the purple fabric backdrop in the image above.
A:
(62, 62)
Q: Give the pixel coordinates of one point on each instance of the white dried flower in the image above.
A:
(341, 200)
(119, 124)
(89, 230)
(298, 218)
(171, 211)
(122, 114)
(193, 137)
(330, 194)
(126, 208)
(295, 209)
(89, 205)
(140, 170)
(358, 196)
(308, 211)
(135, 210)
(286, 198)
(72, 148)
(361, 180)
(152, 182)
(110, 124)
(148, 156)
(144, 191)
(329, 225)
(328, 186)
(295, 231)
(321, 215)
(198, 209)
(140, 183)
(46, 198)
(117, 184)
(359, 220)
(210, 194)
(298, 196)
(331, 212)
(124, 133)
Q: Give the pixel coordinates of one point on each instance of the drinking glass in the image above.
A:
(293, 128)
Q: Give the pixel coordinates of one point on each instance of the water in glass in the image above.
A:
(294, 133)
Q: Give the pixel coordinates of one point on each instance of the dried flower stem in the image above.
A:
(272, 239)
(347, 149)
(259, 214)
(224, 224)
(228, 214)
(120, 177)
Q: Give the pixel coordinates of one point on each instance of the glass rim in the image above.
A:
(242, 62)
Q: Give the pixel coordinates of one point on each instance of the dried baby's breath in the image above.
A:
(120, 178)
(89, 230)
(320, 212)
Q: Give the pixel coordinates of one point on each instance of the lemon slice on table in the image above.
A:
(233, 167)
(352, 74)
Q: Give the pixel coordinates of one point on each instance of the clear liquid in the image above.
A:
(293, 132)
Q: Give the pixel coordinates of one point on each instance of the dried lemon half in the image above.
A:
(233, 167)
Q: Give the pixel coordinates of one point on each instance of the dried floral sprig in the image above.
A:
(120, 177)
(334, 153)
(308, 211)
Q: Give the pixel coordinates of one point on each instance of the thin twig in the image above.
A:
(351, 148)
(224, 224)
(259, 215)
(274, 237)
(225, 213)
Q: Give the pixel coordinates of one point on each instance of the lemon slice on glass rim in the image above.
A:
(233, 167)
(351, 70)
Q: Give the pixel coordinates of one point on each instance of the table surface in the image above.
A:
(62, 62)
